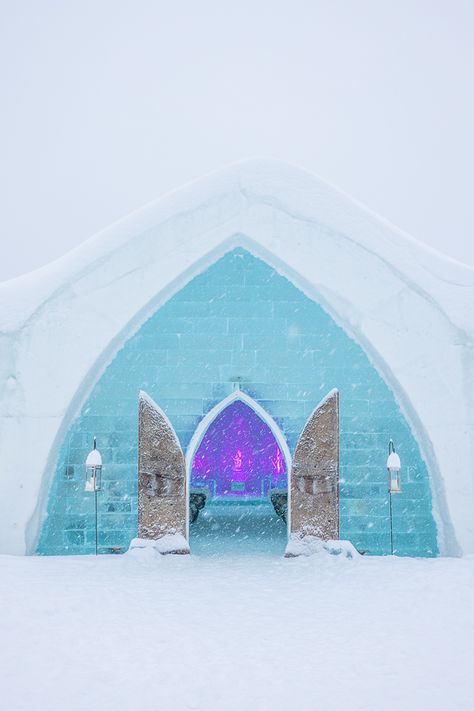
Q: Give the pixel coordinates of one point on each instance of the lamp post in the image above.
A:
(94, 480)
(394, 483)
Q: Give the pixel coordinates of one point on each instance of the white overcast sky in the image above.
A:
(106, 104)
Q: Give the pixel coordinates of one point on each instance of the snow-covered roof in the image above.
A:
(293, 190)
(409, 307)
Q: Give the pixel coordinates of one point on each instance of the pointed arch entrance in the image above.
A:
(238, 454)
(238, 442)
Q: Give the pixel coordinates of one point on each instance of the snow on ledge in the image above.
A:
(169, 543)
(312, 545)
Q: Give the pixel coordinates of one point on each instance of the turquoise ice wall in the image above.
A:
(241, 318)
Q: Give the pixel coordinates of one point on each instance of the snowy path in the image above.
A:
(249, 633)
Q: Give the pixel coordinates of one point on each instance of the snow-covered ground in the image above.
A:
(249, 632)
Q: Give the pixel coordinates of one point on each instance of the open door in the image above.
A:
(162, 487)
(314, 478)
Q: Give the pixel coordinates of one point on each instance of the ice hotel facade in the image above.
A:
(251, 334)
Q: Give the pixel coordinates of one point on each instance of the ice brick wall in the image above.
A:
(240, 318)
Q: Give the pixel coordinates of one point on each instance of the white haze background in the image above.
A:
(107, 104)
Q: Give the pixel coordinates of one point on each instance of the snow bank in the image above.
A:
(170, 543)
(311, 545)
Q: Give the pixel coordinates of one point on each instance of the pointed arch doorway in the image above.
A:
(237, 455)
(239, 459)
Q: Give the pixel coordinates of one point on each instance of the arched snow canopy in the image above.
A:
(409, 308)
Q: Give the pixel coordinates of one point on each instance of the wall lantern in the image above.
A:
(94, 470)
(394, 483)
(94, 481)
(393, 468)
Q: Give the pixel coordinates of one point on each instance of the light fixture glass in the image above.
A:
(393, 467)
(93, 470)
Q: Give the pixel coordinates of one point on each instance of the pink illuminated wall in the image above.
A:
(239, 455)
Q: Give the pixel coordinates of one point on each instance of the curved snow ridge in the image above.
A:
(294, 191)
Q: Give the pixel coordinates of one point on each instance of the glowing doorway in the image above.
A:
(239, 456)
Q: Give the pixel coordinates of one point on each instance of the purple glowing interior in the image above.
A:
(238, 455)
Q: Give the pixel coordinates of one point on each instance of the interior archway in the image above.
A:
(238, 396)
(237, 457)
